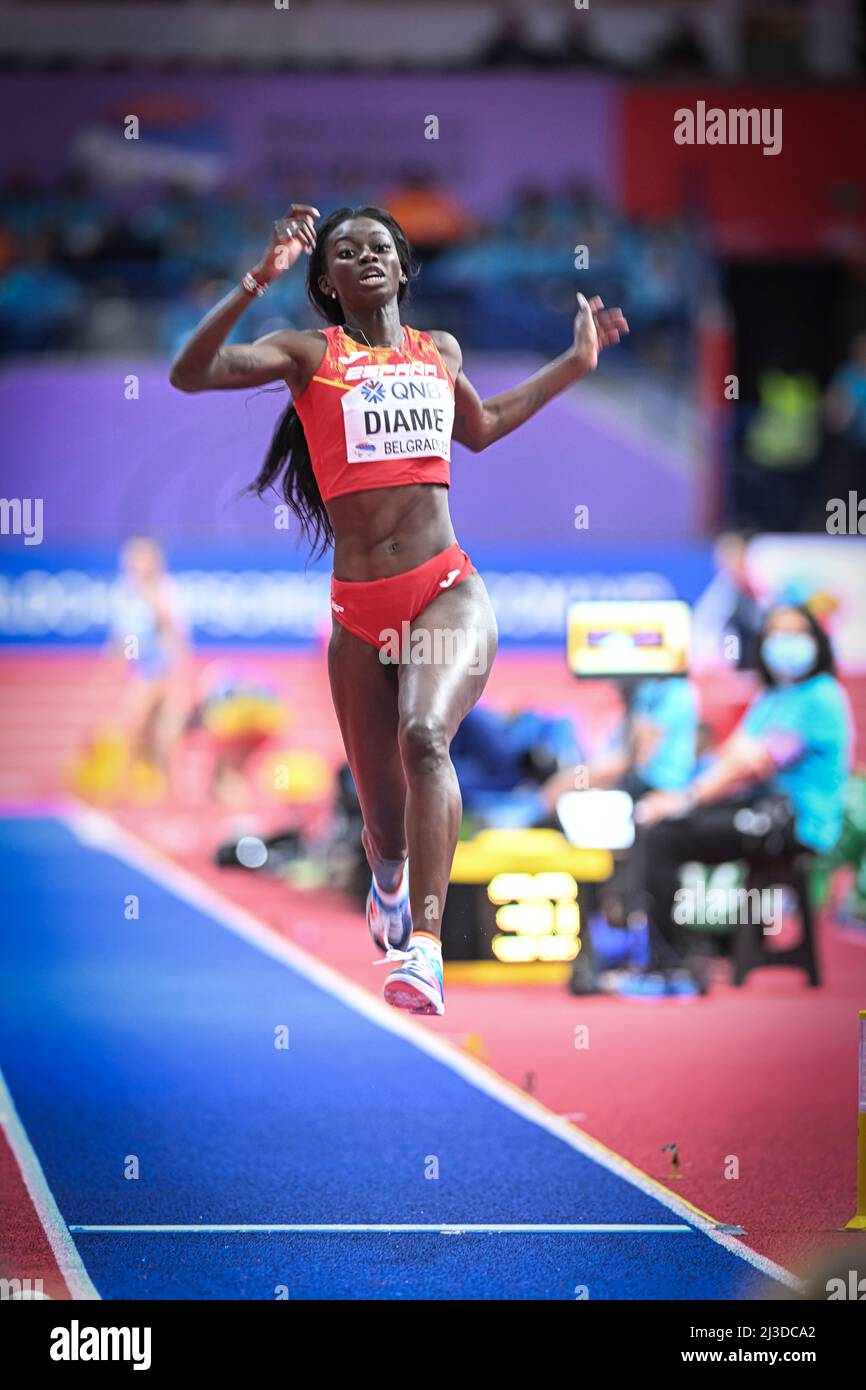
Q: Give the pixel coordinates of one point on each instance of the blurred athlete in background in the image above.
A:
(148, 633)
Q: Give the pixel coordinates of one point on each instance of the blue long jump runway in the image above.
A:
(146, 1045)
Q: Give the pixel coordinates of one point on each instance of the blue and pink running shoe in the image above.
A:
(416, 984)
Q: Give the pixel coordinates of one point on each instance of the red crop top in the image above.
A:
(378, 417)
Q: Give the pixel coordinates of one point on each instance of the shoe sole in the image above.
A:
(402, 993)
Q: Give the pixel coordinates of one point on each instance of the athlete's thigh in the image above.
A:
(364, 691)
(451, 651)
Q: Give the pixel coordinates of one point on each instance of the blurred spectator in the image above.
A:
(155, 251)
(501, 760)
(777, 786)
(429, 215)
(845, 413)
(240, 710)
(531, 217)
(80, 219)
(727, 617)
(704, 753)
(25, 208)
(662, 733)
(651, 749)
(784, 435)
(39, 301)
(149, 635)
(660, 287)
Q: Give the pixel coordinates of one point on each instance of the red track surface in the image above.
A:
(26, 1253)
(766, 1074)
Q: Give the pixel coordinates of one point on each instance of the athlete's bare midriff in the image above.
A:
(386, 530)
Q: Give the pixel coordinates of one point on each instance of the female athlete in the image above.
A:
(362, 456)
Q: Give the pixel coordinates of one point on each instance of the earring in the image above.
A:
(333, 294)
(404, 279)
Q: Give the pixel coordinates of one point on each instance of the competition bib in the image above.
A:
(398, 412)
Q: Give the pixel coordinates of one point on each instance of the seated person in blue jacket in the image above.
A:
(793, 744)
(501, 760)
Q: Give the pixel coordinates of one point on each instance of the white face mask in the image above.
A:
(789, 655)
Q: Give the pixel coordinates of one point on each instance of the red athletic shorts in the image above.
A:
(375, 608)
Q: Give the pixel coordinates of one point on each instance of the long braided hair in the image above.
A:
(287, 467)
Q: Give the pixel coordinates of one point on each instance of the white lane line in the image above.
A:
(63, 1247)
(98, 831)
(452, 1229)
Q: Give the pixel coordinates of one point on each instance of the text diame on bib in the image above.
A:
(407, 412)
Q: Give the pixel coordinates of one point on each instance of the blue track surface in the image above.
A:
(155, 1038)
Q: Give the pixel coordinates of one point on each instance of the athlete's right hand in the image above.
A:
(292, 234)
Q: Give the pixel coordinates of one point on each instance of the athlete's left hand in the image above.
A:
(595, 328)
